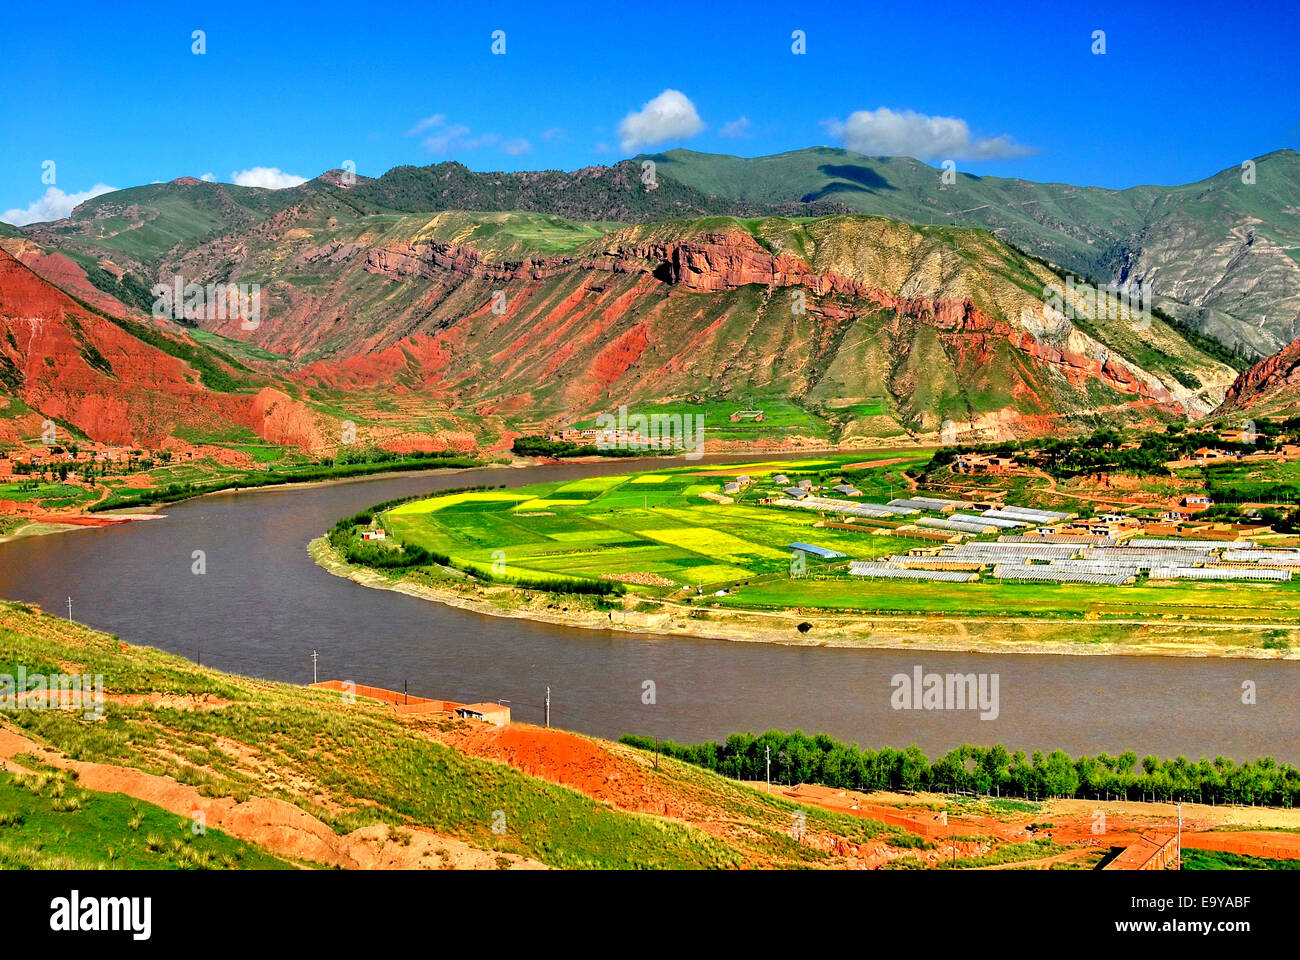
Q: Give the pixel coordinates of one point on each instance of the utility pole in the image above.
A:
(314, 657)
(548, 707)
(403, 693)
(768, 752)
(69, 609)
(1180, 835)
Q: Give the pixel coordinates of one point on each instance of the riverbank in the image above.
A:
(1070, 637)
(44, 524)
(41, 524)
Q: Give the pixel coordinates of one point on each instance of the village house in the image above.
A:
(1210, 455)
(984, 463)
(495, 713)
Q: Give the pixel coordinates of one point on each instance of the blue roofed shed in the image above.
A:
(821, 552)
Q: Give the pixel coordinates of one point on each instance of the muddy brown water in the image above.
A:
(263, 606)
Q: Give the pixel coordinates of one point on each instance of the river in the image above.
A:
(263, 606)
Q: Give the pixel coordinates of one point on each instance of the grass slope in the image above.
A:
(351, 766)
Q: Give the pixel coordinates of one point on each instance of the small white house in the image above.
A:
(374, 535)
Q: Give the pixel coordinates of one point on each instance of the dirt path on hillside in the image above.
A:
(1053, 488)
(274, 825)
(1042, 862)
(1084, 825)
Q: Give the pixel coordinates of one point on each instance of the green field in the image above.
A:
(1224, 601)
(656, 533)
(654, 524)
(1216, 860)
(51, 496)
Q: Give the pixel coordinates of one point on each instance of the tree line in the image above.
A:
(328, 471)
(1109, 450)
(995, 770)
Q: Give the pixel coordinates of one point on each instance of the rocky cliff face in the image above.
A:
(467, 327)
(1273, 384)
(719, 262)
(74, 366)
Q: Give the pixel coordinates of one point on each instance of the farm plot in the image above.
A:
(652, 529)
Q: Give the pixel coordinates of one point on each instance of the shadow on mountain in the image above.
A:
(861, 175)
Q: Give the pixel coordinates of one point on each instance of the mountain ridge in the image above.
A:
(1221, 255)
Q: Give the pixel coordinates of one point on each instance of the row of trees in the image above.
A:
(535, 446)
(798, 758)
(1104, 451)
(316, 471)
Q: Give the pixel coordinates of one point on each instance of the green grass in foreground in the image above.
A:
(1219, 860)
(376, 768)
(1005, 854)
(47, 823)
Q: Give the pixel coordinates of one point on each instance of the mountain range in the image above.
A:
(849, 298)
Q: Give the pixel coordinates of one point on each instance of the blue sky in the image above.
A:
(1182, 91)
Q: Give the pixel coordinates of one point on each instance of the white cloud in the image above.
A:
(554, 133)
(884, 132)
(443, 137)
(209, 177)
(272, 178)
(437, 120)
(669, 116)
(736, 128)
(457, 136)
(53, 205)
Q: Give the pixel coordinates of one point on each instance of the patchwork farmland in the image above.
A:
(723, 539)
(652, 529)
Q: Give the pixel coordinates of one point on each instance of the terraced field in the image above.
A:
(653, 529)
(657, 533)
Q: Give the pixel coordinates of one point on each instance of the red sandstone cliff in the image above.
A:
(1274, 379)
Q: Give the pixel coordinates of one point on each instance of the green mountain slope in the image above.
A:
(1225, 253)
(900, 329)
(1222, 255)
